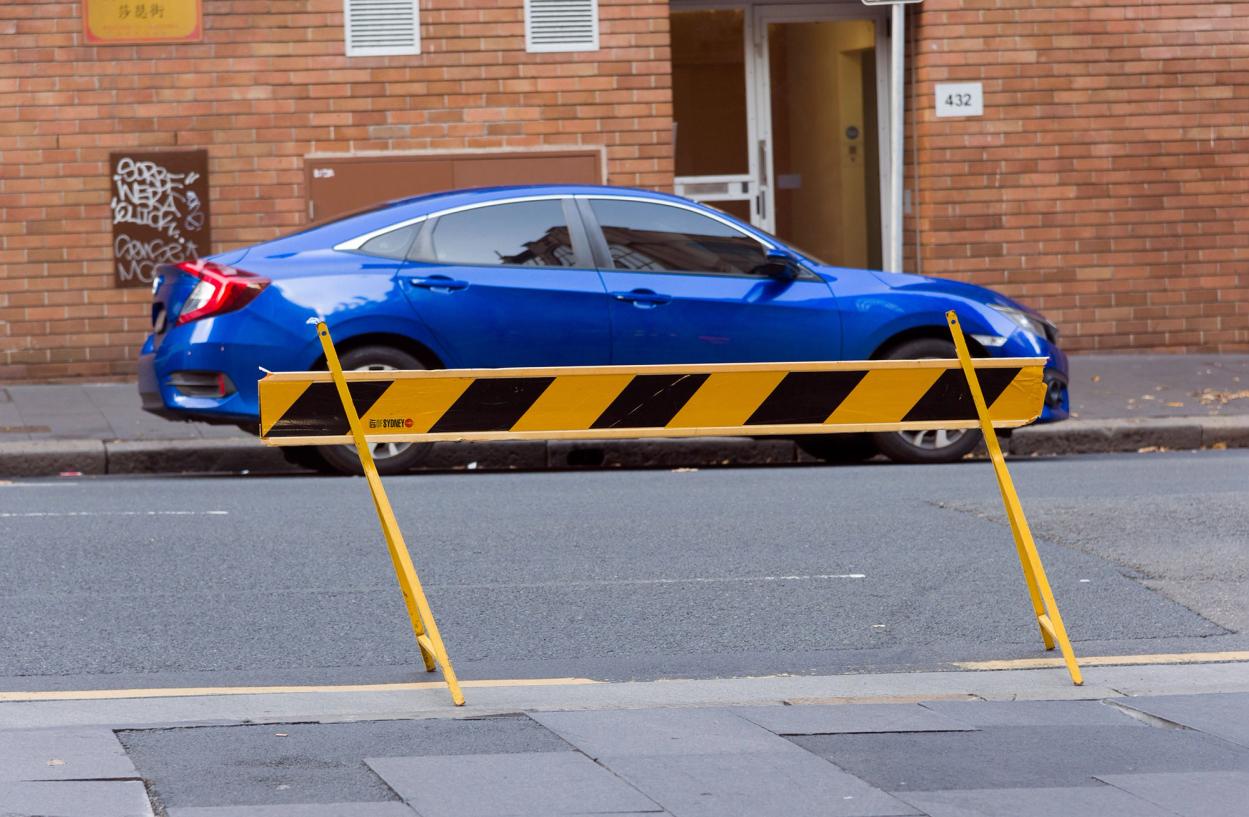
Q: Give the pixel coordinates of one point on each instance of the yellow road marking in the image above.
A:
(203, 692)
(1109, 660)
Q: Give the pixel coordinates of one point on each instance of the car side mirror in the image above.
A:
(780, 265)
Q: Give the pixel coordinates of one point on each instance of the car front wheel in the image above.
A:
(390, 458)
(934, 446)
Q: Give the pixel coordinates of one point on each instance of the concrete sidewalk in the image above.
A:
(1136, 741)
(1119, 403)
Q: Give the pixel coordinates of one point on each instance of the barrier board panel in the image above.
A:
(737, 399)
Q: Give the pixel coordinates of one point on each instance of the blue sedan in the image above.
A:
(553, 276)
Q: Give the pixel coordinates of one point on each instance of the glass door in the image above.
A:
(717, 153)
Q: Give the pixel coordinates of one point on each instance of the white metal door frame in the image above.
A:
(813, 13)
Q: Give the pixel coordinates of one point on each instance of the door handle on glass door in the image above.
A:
(643, 298)
(438, 283)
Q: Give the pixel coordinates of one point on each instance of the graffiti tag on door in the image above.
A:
(160, 211)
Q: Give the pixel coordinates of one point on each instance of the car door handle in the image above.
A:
(643, 298)
(439, 283)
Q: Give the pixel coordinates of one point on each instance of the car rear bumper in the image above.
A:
(239, 362)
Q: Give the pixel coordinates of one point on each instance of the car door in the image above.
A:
(687, 287)
(509, 283)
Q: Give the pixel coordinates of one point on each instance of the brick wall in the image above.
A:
(1108, 181)
(268, 85)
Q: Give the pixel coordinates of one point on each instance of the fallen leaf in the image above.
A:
(1219, 446)
(1149, 449)
(1097, 378)
(1175, 404)
(280, 734)
(1147, 397)
(56, 762)
(1212, 396)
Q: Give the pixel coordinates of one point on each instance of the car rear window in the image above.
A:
(393, 244)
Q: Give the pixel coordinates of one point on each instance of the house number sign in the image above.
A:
(960, 99)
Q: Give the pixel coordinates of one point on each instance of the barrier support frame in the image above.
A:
(433, 653)
(1043, 604)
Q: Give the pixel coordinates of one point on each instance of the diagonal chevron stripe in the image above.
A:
(493, 404)
(950, 399)
(650, 401)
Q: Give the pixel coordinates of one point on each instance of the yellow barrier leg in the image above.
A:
(423, 624)
(1051, 623)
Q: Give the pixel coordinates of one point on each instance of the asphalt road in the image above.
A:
(118, 582)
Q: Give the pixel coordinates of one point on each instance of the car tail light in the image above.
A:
(220, 289)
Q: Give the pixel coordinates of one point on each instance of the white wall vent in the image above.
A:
(561, 25)
(378, 28)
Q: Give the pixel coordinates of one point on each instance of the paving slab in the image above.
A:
(848, 719)
(300, 810)
(63, 754)
(1078, 801)
(75, 798)
(660, 732)
(980, 714)
(753, 784)
(534, 784)
(293, 763)
(1225, 716)
(1193, 794)
(1021, 757)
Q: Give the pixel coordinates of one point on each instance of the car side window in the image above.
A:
(393, 244)
(661, 238)
(523, 233)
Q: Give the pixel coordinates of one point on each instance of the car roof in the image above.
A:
(391, 212)
(452, 198)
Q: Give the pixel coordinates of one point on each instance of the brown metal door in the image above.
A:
(344, 184)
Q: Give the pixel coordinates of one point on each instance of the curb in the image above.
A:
(53, 457)
(1104, 436)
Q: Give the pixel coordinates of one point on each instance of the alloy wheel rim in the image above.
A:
(933, 439)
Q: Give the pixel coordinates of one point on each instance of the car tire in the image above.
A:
(926, 446)
(842, 449)
(390, 458)
(307, 457)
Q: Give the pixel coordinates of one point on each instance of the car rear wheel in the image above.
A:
(390, 458)
(940, 445)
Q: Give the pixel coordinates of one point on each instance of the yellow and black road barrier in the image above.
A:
(729, 399)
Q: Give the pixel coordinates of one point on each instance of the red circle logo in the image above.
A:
(407, 423)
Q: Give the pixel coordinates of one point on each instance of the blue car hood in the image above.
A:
(946, 286)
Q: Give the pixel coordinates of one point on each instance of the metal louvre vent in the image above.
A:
(380, 27)
(561, 25)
